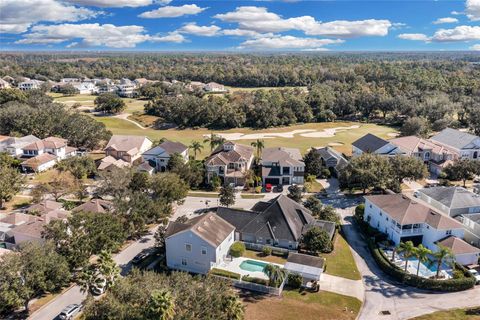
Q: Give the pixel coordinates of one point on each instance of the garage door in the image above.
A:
(273, 181)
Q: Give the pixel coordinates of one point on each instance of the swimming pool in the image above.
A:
(253, 266)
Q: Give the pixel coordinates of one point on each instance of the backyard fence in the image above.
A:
(259, 247)
(246, 285)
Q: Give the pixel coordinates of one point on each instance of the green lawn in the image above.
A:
(252, 196)
(456, 314)
(340, 261)
(203, 194)
(344, 139)
(314, 187)
(294, 305)
(133, 105)
(259, 256)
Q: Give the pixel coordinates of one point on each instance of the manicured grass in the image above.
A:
(16, 202)
(133, 105)
(294, 305)
(456, 314)
(44, 176)
(344, 138)
(259, 256)
(203, 194)
(314, 187)
(340, 261)
(252, 196)
(144, 119)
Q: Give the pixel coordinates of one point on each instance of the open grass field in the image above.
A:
(133, 105)
(456, 314)
(294, 305)
(340, 261)
(342, 139)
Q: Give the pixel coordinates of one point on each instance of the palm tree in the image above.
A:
(233, 308)
(407, 249)
(108, 268)
(161, 305)
(422, 254)
(196, 147)
(214, 141)
(88, 279)
(275, 275)
(259, 144)
(440, 256)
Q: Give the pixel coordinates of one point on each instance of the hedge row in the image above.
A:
(255, 280)
(415, 281)
(225, 273)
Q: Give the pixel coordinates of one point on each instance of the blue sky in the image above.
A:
(240, 26)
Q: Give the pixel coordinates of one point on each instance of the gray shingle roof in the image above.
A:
(454, 138)
(369, 143)
(453, 197)
(327, 153)
(284, 156)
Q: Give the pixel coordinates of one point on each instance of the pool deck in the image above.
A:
(234, 266)
(425, 271)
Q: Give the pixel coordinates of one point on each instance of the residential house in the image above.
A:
(195, 85)
(44, 154)
(403, 219)
(280, 222)
(106, 88)
(434, 154)
(30, 85)
(332, 159)
(3, 143)
(452, 201)
(471, 225)
(4, 84)
(466, 145)
(70, 80)
(94, 205)
(214, 87)
(282, 166)
(159, 156)
(85, 87)
(370, 143)
(44, 207)
(126, 88)
(123, 151)
(230, 162)
(199, 244)
(10, 80)
(14, 146)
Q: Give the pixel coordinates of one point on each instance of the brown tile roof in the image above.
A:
(49, 143)
(126, 143)
(44, 206)
(412, 144)
(37, 161)
(458, 246)
(223, 157)
(109, 161)
(4, 137)
(284, 156)
(405, 210)
(94, 205)
(32, 229)
(173, 147)
(18, 218)
(209, 227)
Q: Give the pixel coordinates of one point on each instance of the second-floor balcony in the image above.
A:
(411, 229)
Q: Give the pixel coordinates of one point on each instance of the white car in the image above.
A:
(69, 312)
(476, 275)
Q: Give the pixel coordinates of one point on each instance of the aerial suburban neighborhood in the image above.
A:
(243, 160)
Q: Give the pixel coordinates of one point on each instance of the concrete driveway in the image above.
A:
(384, 294)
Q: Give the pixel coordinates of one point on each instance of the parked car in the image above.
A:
(278, 188)
(139, 257)
(70, 311)
(268, 187)
(476, 275)
(99, 287)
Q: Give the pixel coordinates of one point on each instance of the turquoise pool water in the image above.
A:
(253, 266)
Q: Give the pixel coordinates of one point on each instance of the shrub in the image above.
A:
(225, 273)
(278, 253)
(359, 211)
(311, 178)
(394, 271)
(458, 274)
(263, 282)
(294, 280)
(258, 189)
(237, 249)
(267, 251)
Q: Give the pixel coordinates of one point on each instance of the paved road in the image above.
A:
(347, 287)
(73, 295)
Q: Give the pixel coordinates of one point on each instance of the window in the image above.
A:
(184, 261)
(386, 218)
(448, 232)
(204, 250)
(381, 214)
(188, 247)
(370, 206)
(231, 165)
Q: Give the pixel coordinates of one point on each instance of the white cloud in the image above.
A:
(112, 3)
(456, 13)
(286, 42)
(16, 16)
(460, 33)
(259, 19)
(94, 34)
(445, 20)
(316, 49)
(414, 36)
(472, 9)
(172, 12)
(241, 33)
(193, 28)
(475, 47)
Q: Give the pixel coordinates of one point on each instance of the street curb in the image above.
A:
(51, 301)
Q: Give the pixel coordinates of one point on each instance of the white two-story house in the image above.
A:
(199, 244)
(466, 145)
(229, 162)
(44, 154)
(159, 156)
(403, 219)
(370, 143)
(282, 166)
(124, 151)
(14, 146)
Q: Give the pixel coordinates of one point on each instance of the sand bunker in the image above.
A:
(307, 133)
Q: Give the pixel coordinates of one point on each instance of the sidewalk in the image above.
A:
(347, 287)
